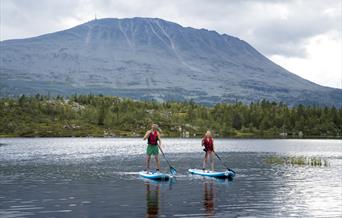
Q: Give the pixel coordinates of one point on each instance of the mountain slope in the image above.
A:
(151, 58)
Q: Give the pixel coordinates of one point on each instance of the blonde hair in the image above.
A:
(155, 126)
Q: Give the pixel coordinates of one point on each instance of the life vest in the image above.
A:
(208, 144)
(153, 138)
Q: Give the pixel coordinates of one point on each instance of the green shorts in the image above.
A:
(152, 150)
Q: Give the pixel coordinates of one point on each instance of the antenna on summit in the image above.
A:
(95, 17)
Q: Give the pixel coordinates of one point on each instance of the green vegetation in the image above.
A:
(112, 116)
(301, 161)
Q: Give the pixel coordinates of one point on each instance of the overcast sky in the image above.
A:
(304, 36)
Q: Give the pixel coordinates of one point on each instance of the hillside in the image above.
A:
(112, 116)
(150, 58)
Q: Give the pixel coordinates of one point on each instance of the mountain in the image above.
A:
(150, 58)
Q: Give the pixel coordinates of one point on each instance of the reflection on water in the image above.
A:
(152, 200)
(209, 198)
(99, 178)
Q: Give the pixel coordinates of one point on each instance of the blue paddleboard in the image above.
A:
(155, 175)
(225, 174)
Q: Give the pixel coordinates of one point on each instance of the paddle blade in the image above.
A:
(231, 170)
(173, 171)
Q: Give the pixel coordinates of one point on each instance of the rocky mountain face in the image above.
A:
(150, 58)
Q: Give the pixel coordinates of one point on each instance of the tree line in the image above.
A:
(98, 115)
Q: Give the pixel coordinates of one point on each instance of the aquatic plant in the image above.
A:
(297, 160)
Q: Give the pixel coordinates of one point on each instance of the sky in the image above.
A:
(303, 36)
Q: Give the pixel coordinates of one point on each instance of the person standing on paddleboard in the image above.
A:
(208, 144)
(153, 142)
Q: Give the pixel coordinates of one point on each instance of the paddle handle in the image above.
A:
(164, 155)
(217, 156)
(224, 164)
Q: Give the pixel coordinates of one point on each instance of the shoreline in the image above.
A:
(109, 116)
(171, 137)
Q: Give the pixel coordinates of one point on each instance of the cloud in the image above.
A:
(295, 24)
(281, 30)
(324, 49)
(21, 19)
(274, 27)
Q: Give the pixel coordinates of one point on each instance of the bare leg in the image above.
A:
(205, 160)
(157, 161)
(148, 157)
(212, 161)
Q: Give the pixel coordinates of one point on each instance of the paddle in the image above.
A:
(223, 162)
(173, 171)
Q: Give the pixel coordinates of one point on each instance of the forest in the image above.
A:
(109, 116)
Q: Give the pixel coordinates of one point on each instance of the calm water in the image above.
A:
(97, 177)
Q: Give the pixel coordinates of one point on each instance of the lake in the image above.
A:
(98, 177)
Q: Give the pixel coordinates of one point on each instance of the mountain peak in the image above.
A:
(148, 58)
(133, 19)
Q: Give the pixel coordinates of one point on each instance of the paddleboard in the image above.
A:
(155, 175)
(216, 174)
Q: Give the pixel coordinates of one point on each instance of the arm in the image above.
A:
(147, 134)
(159, 140)
(159, 144)
(202, 142)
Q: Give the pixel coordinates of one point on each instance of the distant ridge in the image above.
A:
(150, 58)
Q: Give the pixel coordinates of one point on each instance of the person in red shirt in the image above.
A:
(208, 144)
(153, 144)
